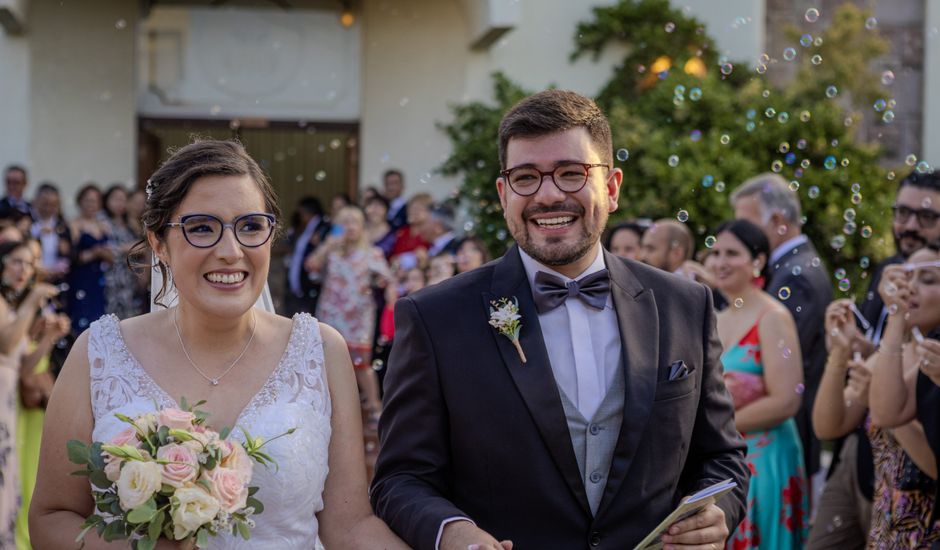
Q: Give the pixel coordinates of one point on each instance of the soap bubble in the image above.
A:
(816, 59)
(880, 105)
(839, 273)
(725, 139)
(849, 228)
(849, 215)
(888, 117)
(739, 303)
(871, 23)
(830, 162)
(796, 271)
(794, 186)
(845, 285)
(623, 155)
(806, 40)
(707, 180)
(776, 166)
(784, 293)
(770, 112)
(856, 198)
(673, 160)
(866, 233)
(812, 15)
(804, 164)
(783, 117)
(805, 116)
(726, 68)
(799, 389)
(856, 187)
(710, 241)
(695, 94)
(695, 135)
(784, 147)
(837, 242)
(679, 90)
(864, 262)
(922, 167)
(669, 27)
(813, 192)
(789, 54)
(720, 186)
(832, 91)
(682, 216)
(910, 160)
(887, 78)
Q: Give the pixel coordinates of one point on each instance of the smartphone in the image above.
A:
(337, 231)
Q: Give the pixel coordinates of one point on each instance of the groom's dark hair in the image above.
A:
(555, 111)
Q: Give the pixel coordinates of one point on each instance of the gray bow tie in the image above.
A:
(551, 291)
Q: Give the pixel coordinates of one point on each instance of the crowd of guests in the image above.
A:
(801, 367)
(56, 277)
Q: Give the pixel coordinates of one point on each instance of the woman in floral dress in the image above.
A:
(351, 266)
(765, 379)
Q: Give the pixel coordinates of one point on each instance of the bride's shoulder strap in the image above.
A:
(313, 363)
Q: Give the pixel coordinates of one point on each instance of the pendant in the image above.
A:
(214, 381)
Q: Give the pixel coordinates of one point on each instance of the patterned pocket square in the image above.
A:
(678, 370)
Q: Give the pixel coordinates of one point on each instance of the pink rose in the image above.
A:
(112, 468)
(183, 464)
(127, 436)
(228, 487)
(238, 460)
(176, 419)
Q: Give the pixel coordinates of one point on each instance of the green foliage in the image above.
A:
(713, 123)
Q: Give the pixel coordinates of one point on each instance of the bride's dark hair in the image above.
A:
(169, 185)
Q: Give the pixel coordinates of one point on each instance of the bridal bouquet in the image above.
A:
(169, 475)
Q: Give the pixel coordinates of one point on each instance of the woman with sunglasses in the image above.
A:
(209, 220)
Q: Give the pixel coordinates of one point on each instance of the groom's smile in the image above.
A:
(555, 227)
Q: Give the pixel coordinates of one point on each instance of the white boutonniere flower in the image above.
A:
(504, 317)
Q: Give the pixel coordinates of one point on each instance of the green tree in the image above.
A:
(689, 126)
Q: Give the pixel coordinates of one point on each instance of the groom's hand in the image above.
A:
(464, 535)
(705, 530)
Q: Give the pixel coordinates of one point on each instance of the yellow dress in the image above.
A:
(28, 436)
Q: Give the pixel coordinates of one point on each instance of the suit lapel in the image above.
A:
(638, 322)
(534, 379)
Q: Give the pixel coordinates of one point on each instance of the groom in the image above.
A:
(611, 409)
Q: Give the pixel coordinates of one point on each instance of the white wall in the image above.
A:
(265, 63)
(14, 100)
(82, 114)
(931, 116)
(738, 26)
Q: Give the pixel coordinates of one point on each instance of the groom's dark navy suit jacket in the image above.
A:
(469, 430)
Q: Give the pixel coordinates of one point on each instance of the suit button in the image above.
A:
(595, 539)
(594, 429)
(595, 477)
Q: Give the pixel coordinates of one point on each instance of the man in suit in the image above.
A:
(393, 189)
(609, 407)
(798, 278)
(15, 180)
(437, 229)
(309, 231)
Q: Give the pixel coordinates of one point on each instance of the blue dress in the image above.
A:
(777, 500)
(86, 296)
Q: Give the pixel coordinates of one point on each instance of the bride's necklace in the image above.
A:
(215, 381)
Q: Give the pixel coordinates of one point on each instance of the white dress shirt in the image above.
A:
(439, 243)
(777, 254)
(583, 343)
(583, 346)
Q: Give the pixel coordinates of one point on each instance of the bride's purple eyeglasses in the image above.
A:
(205, 230)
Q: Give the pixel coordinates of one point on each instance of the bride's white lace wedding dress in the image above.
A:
(295, 395)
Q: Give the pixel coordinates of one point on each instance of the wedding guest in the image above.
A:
(471, 254)
(666, 245)
(93, 255)
(338, 202)
(367, 195)
(308, 232)
(438, 230)
(798, 278)
(441, 268)
(21, 299)
(136, 203)
(120, 287)
(393, 186)
(623, 240)
(351, 266)
(15, 181)
(52, 232)
(762, 372)
(898, 516)
(253, 368)
(408, 239)
(378, 230)
(490, 440)
(914, 223)
(35, 390)
(912, 296)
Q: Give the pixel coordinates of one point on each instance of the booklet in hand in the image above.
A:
(690, 506)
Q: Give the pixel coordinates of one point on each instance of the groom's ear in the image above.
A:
(501, 190)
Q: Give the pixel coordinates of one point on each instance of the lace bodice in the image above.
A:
(295, 395)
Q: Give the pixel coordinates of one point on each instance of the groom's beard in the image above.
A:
(556, 252)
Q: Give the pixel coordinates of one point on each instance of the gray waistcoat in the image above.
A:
(594, 441)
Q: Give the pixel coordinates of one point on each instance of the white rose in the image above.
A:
(146, 423)
(192, 508)
(138, 482)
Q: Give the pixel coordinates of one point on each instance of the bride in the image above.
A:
(255, 369)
